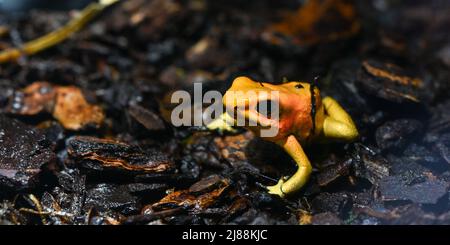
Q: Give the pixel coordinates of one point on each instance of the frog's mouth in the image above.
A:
(266, 108)
(263, 114)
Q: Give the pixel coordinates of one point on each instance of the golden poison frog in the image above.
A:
(303, 118)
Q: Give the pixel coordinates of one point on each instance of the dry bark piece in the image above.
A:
(206, 184)
(376, 167)
(370, 165)
(67, 104)
(109, 196)
(317, 21)
(200, 196)
(423, 156)
(147, 118)
(409, 170)
(326, 218)
(24, 152)
(395, 134)
(333, 172)
(101, 154)
(336, 203)
(393, 188)
(389, 81)
(443, 146)
(245, 151)
(145, 188)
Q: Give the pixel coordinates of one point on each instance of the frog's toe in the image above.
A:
(277, 189)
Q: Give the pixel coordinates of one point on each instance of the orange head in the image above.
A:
(296, 113)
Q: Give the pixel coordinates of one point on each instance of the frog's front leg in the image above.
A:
(224, 123)
(298, 180)
(338, 124)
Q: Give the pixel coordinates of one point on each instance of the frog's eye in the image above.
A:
(299, 85)
(266, 107)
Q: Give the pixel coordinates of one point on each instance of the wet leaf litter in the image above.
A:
(86, 137)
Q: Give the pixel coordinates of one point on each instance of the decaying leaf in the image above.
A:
(147, 118)
(199, 196)
(33, 99)
(73, 111)
(67, 104)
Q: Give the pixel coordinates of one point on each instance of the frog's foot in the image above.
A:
(222, 124)
(278, 188)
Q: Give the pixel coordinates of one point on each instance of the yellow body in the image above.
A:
(295, 123)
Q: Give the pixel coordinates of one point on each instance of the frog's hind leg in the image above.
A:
(298, 180)
(338, 124)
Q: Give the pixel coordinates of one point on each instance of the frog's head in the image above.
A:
(292, 99)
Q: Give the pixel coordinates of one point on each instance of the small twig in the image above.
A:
(56, 36)
(38, 206)
(47, 213)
